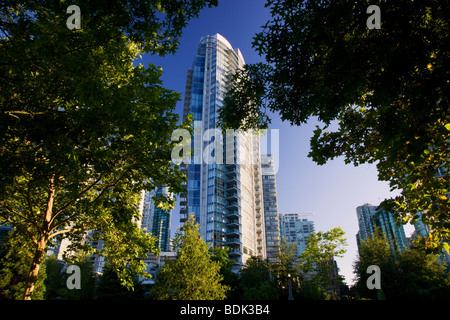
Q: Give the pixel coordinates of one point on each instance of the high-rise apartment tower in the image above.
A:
(154, 220)
(271, 220)
(296, 229)
(372, 218)
(224, 187)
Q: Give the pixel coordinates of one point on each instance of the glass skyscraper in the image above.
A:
(365, 214)
(224, 187)
(271, 219)
(155, 220)
(296, 230)
(371, 218)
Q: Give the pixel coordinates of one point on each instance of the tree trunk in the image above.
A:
(34, 270)
(42, 243)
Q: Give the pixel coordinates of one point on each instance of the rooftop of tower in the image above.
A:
(222, 39)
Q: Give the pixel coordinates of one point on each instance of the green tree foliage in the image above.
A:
(54, 281)
(257, 281)
(415, 275)
(193, 275)
(423, 276)
(375, 251)
(88, 280)
(106, 286)
(15, 259)
(82, 129)
(381, 95)
(287, 258)
(230, 278)
(287, 267)
(310, 291)
(317, 258)
(110, 287)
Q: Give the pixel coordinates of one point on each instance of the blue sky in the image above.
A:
(332, 191)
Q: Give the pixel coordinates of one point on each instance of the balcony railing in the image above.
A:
(233, 205)
(233, 223)
(234, 252)
(232, 196)
(232, 214)
(233, 242)
(233, 232)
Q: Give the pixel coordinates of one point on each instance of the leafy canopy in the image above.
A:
(82, 128)
(318, 257)
(15, 258)
(412, 274)
(382, 96)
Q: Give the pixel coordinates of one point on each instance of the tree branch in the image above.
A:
(22, 229)
(93, 45)
(30, 205)
(34, 223)
(64, 231)
(74, 199)
(95, 200)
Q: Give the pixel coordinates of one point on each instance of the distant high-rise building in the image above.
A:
(371, 218)
(296, 229)
(224, 188)
(271, 219)
(365, 214)
(421, 229)
(154, 220)
(394, 233)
